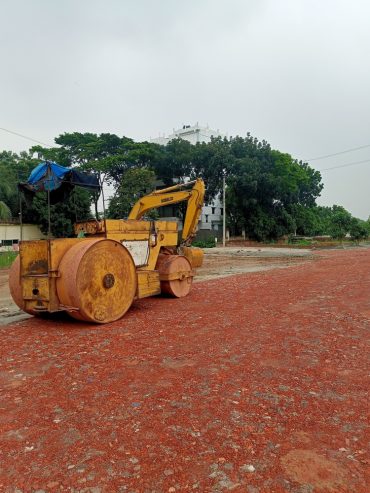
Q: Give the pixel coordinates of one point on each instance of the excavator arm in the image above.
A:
(173, 195)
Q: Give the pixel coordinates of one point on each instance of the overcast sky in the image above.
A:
(293, 72)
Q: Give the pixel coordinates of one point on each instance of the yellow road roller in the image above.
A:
(96, 276)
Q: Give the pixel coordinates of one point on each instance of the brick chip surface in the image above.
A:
(253, 383)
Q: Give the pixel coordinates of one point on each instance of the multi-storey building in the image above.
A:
(192, 133)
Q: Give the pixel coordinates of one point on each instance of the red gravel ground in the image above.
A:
(254, 383)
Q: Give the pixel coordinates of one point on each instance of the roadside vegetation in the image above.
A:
(269, 193)
(6, 259)
(207, 243)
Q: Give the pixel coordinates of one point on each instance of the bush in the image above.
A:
(208, 243)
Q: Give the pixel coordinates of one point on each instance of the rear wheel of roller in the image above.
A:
(176, 275)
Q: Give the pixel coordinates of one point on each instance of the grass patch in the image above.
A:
(6, 259)
(302, 243)
(208, 243)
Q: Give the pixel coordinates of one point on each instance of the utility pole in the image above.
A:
(48, 182)
(224, 208)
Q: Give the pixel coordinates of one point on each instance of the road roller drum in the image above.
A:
(175, 274)
(97, 280)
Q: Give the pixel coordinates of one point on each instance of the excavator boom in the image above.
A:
(173, 195)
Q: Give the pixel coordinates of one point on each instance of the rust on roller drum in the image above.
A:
(15, 285)
(194, 255)
(99, 278)
(175, 274)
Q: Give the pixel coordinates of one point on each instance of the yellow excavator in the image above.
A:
(96, 276)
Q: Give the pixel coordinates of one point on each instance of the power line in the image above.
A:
(24, 137)
(338, 153)
(346, 165)
(311, 159)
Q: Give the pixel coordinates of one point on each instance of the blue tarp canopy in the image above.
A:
(47, 176)
(58, 180)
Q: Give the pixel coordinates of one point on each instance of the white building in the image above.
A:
(211, 218)
(191, 133)
(10, 235)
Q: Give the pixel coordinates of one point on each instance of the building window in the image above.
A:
(222, 211)
(206, 218)
(213, 210)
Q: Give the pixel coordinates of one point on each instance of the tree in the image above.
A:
(324, 217)
(63, 214)
(13, 169)
(106, 153)
(16, 168)
(294, 182)
(174, 164)
(5, 212)
(269, 193)
(305, 220)
(359, 230)
(341, 221)
(264, 188)
(136, 182)
(211, 161)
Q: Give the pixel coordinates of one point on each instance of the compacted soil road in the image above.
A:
(253, 383)
(218, 262)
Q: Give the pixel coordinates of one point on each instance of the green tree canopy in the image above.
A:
(262, 186)
(340, 222)
(5, 212)
(269, 193)
(62, 215)
(359, 230)
(136, 182)
(16, 168)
